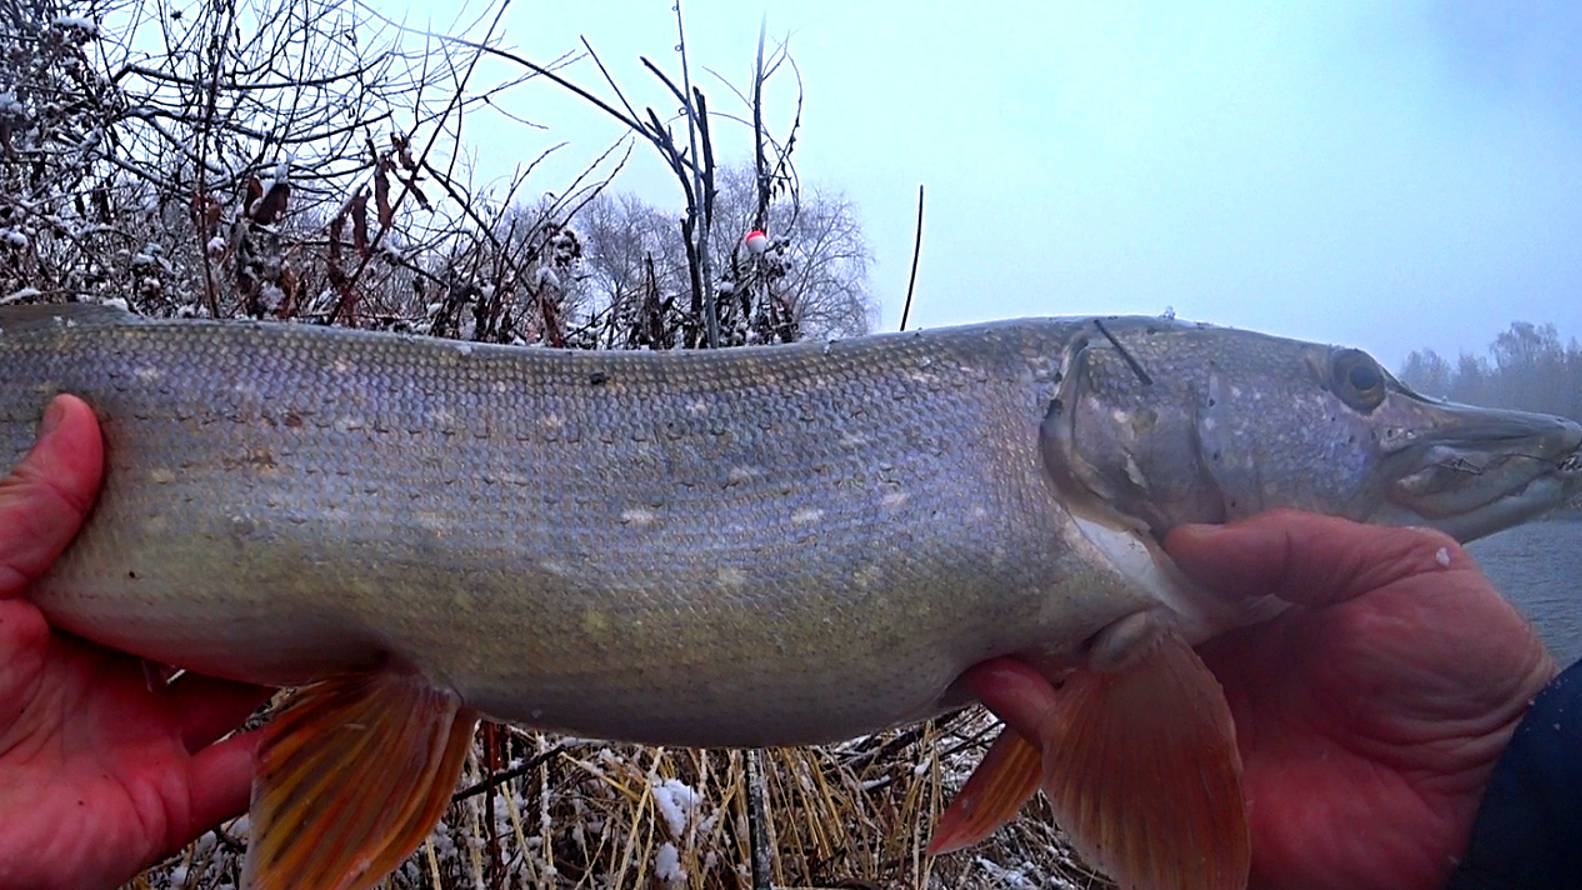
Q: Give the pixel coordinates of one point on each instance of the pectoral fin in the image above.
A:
(1006, 779)
(351, 778)
(1140, 766)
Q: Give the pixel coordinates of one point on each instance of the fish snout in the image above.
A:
(1542, 436)
(1571, 457)
(1558, 440)
(1570, 435)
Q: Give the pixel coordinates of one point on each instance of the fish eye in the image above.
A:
(1358, 380)
(1364, 378)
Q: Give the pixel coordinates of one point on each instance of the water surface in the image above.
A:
(1539, 568)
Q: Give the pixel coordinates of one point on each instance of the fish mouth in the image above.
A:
(1572, 463)
(1482, 470)
(1570, 474)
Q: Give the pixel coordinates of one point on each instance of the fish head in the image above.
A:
(1167, 423)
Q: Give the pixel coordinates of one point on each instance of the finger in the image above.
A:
(206, 708)
(22, 627)
(1308, 559)
(220, 780)
(45, 498)
(1014, 691)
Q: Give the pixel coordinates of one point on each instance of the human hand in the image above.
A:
(99, 773)
(1370, 716)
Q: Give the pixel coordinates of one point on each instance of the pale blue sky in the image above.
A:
(1384, 175)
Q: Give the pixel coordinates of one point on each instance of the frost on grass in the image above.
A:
(678, 803)
(667, 865)
(1025, 875)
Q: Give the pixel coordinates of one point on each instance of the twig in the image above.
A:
(760, 163)
(917, 249)
(694, 110)
(500, 778)
(758, 834)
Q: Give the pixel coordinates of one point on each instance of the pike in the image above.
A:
(747, 547)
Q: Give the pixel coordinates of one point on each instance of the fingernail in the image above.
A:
(53, 415)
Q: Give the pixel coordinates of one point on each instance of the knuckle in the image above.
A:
(41, 487)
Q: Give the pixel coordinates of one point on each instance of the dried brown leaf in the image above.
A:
(273, 206)
(359, 209)
(382, 195)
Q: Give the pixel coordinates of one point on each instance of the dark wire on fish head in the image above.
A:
(1130, 362)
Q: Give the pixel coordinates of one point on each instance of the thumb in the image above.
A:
(1015, 692)
(44, 500)
(1307, 558)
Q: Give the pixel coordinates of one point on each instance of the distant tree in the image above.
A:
(1529, 361)
(1427, 372)
(1471, 381)
(817, 262)
(1525, 345)
(811, 281)
(1526, 368)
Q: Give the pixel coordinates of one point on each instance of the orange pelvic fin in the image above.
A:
(351, 778)
(1140, 765)
(1006, 779)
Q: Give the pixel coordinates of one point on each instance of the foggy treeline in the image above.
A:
(1526, 367)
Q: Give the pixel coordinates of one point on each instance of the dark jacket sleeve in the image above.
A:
(1528, 832)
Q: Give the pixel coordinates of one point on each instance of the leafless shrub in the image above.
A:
(278, 160)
